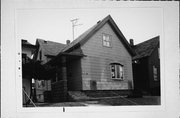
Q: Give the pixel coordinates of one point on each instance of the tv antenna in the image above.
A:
(74, 24)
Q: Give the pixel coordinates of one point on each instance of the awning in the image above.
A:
(69, 57)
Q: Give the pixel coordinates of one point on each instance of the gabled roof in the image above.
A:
(25, 43)
(50, 48)
(145, 48)
(86, 35)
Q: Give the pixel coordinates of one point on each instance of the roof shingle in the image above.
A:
(25, 43)
(145, 49)
(51, 48)
(85, 36)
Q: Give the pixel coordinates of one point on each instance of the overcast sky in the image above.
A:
(139, 24)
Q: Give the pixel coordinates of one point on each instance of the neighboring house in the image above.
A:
(99, 59)
(146, 66)
(27, 53)
(46, 51)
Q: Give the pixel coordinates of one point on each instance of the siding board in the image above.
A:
(96, 66)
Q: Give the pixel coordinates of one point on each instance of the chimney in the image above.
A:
(68, 42)
(45, 41)
(131, 41)
(99, 21)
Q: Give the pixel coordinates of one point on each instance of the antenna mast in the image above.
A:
(74, 23)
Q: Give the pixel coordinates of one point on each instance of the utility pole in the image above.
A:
(74, 23)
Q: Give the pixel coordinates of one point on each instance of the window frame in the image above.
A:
(105, 42)
(24, 58)
(121, 71)
(158, 52)
(155, 73)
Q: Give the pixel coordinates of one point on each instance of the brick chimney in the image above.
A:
(68, 42)
(131, 41)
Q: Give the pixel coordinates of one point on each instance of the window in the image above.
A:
(24, 58)
(155, 73)
(158, 53)
(41, 83)
(117, 71)
(106, 40)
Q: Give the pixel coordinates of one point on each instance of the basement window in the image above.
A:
(117, 71)
(106, 40)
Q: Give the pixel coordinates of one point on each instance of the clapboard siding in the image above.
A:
(96, 65)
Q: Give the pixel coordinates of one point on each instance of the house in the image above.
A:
(100, 59)
(46, 50)
(146, 66)
(27, 53)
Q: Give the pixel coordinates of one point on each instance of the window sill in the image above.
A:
(118, 79)
(107, 46)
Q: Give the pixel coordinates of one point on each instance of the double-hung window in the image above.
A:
(117, 71)
(106, 40)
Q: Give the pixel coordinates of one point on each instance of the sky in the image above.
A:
(55, 25)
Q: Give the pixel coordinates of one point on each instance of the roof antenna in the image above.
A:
(74, 23)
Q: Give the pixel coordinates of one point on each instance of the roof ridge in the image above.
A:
(156, 37)
(88, 33)
(78, 38)
(50, 41)
(26, 42)
(145, 48)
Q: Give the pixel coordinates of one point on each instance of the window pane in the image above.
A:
(155, 73)
(117, 71)
(158, 52)
(104, 43)
(106, 40)
(108, 44)
(121, 72)
(113, 71)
